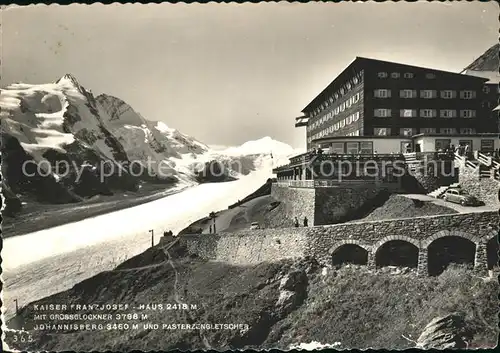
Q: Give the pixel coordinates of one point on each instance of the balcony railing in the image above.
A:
(326, 183)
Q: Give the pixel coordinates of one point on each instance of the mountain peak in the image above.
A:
(488, 61)
(69, 77)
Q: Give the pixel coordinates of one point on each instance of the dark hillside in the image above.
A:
(278, 305)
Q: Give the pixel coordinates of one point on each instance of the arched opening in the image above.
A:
(492, 252)
(447, 250)
(349, 254)
(397, 253)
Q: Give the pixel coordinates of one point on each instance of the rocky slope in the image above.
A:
(278, 305)
(488, 61)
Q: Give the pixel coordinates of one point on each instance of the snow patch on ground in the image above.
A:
(313, 345)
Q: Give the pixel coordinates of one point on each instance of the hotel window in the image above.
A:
(427, 113)
(356, 116)
(467, 94)
(467, 130)
(487, 145)
(382, 93)
(342, 90)
(349, 85)
(448, 94)
(428, 93)
(338, 147)
(382, 74)
(467, 113)
(356, 97)
(441, 144)
(447, 130)
(382, 113)
(427, 130)
(382, 131)
(408, 75)
(331, 99)
(342, 123)
(336, 96)
(406, 131)
(408, 113)
(355, 80)
(365, 147)
(486, 104)
(408, 93)
(430, 76)
(342, 107)
(486, 89)
(348, 103)
(395, 75)
(448, 113)
(352, 147)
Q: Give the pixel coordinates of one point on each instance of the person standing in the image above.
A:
(305, 221)
(296, 222)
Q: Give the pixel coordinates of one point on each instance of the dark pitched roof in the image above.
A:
(357, 63)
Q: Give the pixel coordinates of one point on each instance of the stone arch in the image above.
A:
(448, 247)
(350, 242)
(388, 238)
(449, 233)
(397, 250)
(349, 251)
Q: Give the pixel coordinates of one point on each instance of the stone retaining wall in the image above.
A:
(254, 246)
(485, 189)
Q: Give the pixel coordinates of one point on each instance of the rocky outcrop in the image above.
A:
(213, 172)
(446, 332)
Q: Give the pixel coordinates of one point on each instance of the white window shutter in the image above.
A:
(434, 113)
(434, 93)
(389, 93)
(401, 93)
(414, 94)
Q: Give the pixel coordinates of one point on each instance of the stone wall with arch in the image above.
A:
(253, 246)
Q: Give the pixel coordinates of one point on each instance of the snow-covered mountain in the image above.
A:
(73, 145)
(486, 66)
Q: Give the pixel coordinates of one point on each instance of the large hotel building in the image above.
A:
(382, 107)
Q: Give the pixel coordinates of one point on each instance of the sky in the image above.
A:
(229, 73)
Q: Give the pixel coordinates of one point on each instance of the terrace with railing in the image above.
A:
(318, 183)
(309, 158)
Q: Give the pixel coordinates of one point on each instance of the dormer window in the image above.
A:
(382, 75)
(395, 75)
(408, 75)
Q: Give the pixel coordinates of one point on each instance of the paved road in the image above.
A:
(455, 206)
